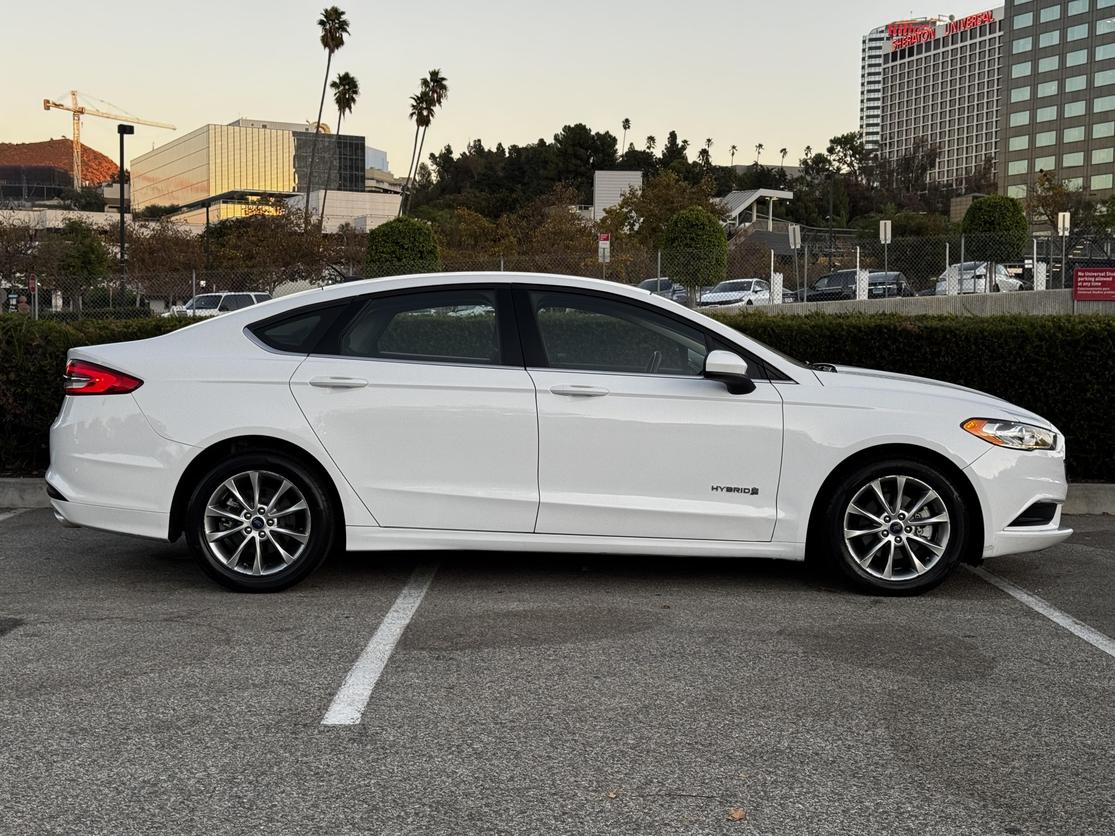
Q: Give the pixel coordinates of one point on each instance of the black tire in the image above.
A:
(839, 549)
(319, 517)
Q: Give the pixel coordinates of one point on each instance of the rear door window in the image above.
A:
(443, 326)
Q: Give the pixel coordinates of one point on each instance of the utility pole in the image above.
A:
(123, 130)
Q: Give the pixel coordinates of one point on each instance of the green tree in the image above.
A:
(404, 245)
(346, 89)
(694, 249)
(996, 229)
(643, 214)
(334, 27)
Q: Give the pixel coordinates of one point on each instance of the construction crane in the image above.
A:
(78, 111)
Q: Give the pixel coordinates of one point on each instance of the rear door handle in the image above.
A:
(338, 382)
(576, 390)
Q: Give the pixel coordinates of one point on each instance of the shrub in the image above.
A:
(996, 228)
(401, 246)
(694, 249)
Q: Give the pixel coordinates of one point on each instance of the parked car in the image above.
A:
(841, 284)
(364, 417)
(737, 292)
(971, 277)
(211, 304)
(666, 288)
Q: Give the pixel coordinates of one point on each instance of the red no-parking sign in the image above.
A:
(1093, 284)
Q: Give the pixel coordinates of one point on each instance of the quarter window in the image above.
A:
(443, 326)
(592, 333)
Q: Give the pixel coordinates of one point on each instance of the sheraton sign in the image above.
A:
(906, 33)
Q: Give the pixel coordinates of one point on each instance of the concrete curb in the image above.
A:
(23, 492)
(1084, 498)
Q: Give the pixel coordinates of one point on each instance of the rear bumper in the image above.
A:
(110, 470)
(153, 524)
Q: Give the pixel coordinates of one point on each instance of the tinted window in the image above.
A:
(205, 302)
(597, 334)
(297, 332)
(445, 326)
(236, 301)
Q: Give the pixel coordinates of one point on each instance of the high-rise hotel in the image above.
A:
(1030, 85)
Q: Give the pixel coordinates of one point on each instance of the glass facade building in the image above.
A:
(248, 159)
(1059, 115)
(941, 86)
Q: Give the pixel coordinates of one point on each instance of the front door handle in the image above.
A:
(576, 390)
(338, 382)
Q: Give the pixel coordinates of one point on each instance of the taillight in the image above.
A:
(90, 379)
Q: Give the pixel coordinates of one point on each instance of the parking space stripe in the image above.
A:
(7, 515)
(352, 698)
(1040, 605)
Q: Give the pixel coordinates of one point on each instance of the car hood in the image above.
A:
(985, 405)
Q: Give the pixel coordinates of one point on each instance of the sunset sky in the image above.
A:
(741, 72)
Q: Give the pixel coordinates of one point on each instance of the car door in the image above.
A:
(422, 400)
(633, 440)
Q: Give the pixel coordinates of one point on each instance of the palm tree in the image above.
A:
(651, 143)
(433, 91)
(420, 108)
(703, 157)
(782, 152)
(345, 89)
(626, 124)
(333, 27)
(758, 152)
(732, 154)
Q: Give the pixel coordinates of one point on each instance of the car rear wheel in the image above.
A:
(896, 526)
(259, 523)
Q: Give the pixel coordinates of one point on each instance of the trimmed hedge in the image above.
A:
(1061, 367)
(32, 362)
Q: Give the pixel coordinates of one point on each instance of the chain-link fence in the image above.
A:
(760, 269)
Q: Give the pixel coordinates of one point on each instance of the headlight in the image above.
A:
(1013, 434)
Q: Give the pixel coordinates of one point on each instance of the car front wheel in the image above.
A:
(896, 526)
(259, 522)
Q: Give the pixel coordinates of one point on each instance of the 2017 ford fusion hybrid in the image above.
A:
(535, 413)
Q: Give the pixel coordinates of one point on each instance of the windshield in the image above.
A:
(205, 302)
(736, 286)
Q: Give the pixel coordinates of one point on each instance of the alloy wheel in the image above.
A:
(896, 527)
(257, 523)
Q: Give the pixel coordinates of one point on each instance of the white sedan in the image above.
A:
(561, 415)
(738, 292)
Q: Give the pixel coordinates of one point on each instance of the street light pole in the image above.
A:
(123, 130)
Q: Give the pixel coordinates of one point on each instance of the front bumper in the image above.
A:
(1010, 481)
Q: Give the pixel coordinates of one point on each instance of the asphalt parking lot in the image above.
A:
(549, 695)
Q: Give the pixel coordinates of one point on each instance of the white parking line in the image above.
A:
(7, 515)
(352, 698)
(1077, 628)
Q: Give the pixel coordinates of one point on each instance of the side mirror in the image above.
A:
(731, 370)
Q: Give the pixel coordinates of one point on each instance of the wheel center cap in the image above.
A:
(896, 528)
(258, 523)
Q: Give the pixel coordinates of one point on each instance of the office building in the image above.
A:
(228, 170)
(1058, 96)
(940, 89)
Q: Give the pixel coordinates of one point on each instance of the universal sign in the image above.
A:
(907, 33)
